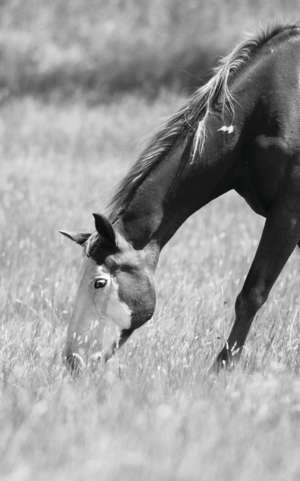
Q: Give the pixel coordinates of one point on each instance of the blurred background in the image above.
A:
(99, 48)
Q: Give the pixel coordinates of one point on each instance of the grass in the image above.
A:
(153, 413)
(68, 48)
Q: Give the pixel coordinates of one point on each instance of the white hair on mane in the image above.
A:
(194, 115)
(217, 88)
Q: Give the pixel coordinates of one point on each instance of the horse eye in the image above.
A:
(100, 283)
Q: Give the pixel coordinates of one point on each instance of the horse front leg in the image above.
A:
(279, 238)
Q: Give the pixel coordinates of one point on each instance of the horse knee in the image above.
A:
(251, 301)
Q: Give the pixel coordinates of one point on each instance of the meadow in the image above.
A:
(154, 412)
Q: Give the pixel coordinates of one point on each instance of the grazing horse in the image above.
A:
(241, 131)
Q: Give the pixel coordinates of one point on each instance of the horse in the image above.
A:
(239, 131)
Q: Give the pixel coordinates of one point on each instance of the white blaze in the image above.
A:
(93, 308)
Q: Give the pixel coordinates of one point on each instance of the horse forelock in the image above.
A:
(91, 244)
(98, 249)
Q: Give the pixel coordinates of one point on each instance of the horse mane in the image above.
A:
(193, 115)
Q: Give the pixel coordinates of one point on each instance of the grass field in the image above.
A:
(154, 413)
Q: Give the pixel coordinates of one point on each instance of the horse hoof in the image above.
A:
(217, 367)
(222, 363)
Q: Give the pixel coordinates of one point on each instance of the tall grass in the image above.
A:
(153, 413)
(100, 47)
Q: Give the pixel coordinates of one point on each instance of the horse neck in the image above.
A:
(177, 187)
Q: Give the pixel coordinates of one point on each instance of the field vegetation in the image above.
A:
(153, 413)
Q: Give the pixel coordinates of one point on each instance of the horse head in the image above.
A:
(116, 284)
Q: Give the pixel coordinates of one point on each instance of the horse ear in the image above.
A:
(105, 229)
(78, 238)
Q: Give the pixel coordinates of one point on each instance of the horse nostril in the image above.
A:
(74, 362)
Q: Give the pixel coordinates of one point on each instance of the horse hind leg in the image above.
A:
(280, 236)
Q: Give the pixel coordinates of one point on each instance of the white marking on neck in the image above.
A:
(228, 129)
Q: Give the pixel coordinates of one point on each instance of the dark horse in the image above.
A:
(240, 131)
